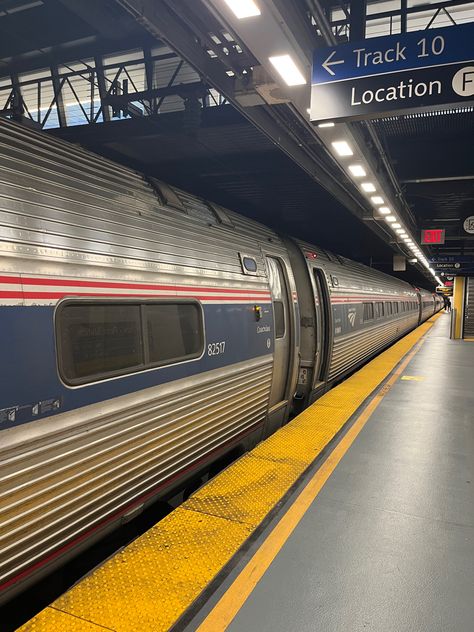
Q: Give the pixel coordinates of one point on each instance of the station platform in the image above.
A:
(357, 515)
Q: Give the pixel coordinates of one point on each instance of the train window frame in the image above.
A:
(368, 311)
(145, 365)
(243, 256)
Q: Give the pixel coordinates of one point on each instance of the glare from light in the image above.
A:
(328, 124)
(357, 171)
(397, 225)
(376, 199)
(400, 231)
(384, 210)
(243, 8)
(390, 219)
(342, 148)
(288, 71)
(368, 187)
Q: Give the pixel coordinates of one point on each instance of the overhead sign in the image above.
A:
(433, 236)
(394, 74)
(452, 259)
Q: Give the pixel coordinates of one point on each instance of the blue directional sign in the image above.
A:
(392, 74)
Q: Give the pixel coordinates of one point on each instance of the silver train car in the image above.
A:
(145, 334)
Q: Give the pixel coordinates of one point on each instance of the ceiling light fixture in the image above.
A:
(397, 225)
(357, 171)
(288, 71)
(384, 210)
(243, 8)
(390, 219)
(368, 187)
(328, 124)
(376, 199)
(342, 148)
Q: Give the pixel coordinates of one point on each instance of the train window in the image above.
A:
(279, 315)
(368, 311)
(277, 283)
(174, 331)
(99, 339)
(395, 307)
(249, 264)
(108, 339)
(379, 309)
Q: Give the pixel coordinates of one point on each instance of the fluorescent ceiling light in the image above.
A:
(397, 225)
(357, 171)
(384, 210)
(390, 218)
(342, 148)
(328, 124)
(376, 199)
(368, 187)
(286, 68)
(243, 8)
(399, 231)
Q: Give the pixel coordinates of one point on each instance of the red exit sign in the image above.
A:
(432, 236)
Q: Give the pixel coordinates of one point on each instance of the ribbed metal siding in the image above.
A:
(469, 309)
(72, 201)
(56, 487)
(351, 350)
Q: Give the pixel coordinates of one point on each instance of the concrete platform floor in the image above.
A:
(388, 543)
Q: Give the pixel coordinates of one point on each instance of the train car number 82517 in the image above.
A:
(216, 348)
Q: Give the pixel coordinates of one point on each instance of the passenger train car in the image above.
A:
(145, 333)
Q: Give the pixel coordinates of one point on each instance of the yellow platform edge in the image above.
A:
(151, 583)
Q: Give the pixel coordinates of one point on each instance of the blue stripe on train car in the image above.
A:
(30, 387)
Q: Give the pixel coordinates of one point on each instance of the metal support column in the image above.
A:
(358, 19)
(58, 96)
(17, 105)
(101, 84)
(458, 305)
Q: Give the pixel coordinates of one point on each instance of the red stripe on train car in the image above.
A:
(124, 286)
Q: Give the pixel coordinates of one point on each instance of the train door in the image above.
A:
(323, 326)
(281, 331)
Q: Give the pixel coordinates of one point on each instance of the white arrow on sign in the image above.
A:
(328, 63)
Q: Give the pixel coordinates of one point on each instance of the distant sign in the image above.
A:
(453, 259)
(469, 225)
(398, 73)
(433, 236)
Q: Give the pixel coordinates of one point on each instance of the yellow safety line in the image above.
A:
(153, 581)
(237, 594)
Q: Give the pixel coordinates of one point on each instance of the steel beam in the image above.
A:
(158, 18)
(58, 97)
(358, 19)
(101, 84)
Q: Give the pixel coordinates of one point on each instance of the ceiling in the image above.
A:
(218, 153)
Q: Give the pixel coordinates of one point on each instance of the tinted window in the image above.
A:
(379, 309)
(388, 308)
(99, 339)
(395, 308)
(173, 331)
(279, 314)
(108, 339)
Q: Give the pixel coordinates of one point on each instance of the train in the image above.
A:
(147, 333)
